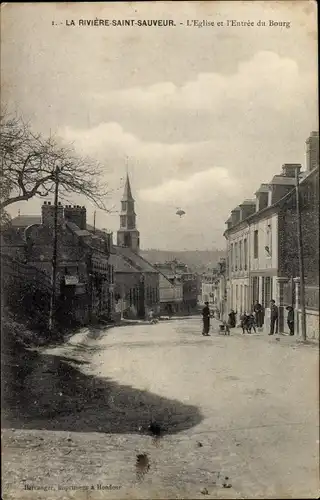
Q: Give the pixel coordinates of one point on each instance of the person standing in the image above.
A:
(290, 319)
(232, 319)
(258, 311)
(206, 319)
(274, 314)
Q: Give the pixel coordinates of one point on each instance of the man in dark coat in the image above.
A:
(290, 319)
(273, 317)
(258, 310)
(232, 319)
(206, 319)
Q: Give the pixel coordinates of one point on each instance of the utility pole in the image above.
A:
(94, 221)
(302, 300)
(54, 255)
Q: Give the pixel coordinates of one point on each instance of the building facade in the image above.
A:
(84, 276)
(238, 260)
(270, 264)
(171, 289)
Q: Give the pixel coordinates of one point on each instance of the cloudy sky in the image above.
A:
(204, 115)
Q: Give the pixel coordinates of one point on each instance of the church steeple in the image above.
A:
(127, 195)
(128, 235)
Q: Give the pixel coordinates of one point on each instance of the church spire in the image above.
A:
(128, 235)
(127, 194)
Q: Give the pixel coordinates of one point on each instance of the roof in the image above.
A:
(127, 194)
(283, 180)
(264, 188)
(247, 202)
(135, 260)
(22, 221)
(75, 229)
(120, 265)
(275, 205)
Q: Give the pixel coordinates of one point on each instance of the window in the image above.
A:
(245, 253)
(236, 256)
(267, 290)
(240, 255)
(130, 222)
(269, 241)
(255, 288)
(127, 240)
(123, 220)
(231, 257)
(256, 244)
(124, 206)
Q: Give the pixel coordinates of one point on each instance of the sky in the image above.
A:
(204, 115)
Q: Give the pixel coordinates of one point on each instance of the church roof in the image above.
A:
(135, 260)
(120, 265)
(127, 194)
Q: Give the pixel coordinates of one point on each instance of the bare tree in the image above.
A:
(29, 163)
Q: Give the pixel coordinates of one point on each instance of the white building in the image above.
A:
(238, 248)
(252, 241)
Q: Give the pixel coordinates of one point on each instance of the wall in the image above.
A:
(237, 285)
(288, 242)
(169, 292)
(267, 228)
(312, 323)
(206, 290)
(124, 282)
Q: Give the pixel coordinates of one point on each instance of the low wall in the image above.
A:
(312, 323)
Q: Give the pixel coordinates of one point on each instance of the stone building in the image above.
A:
(171, 289)
(84, 274)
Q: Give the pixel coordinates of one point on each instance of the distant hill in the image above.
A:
(197, 260)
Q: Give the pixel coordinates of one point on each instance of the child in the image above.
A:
(251, 324)
(244, 322)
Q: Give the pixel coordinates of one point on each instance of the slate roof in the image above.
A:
(22, 221)
(120, 265)
(135, 260)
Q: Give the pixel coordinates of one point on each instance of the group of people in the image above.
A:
(253, 320)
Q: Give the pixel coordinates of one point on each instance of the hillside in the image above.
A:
(197, 260)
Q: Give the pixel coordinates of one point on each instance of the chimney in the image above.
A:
(77, 215)
(247, 208)
(48, 214)
(235, 216)
(262, 197)
(312, 151)
(290, 169)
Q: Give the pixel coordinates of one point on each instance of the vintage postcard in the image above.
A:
(160, 250)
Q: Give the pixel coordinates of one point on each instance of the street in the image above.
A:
(239, 416)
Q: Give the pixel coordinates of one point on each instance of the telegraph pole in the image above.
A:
(94, 221)
(54, 255)
(302, 300)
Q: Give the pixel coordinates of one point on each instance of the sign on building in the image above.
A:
(71, 280)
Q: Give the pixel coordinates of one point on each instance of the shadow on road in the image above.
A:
(42, 391)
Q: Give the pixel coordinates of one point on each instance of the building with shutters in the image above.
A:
(262, 244)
